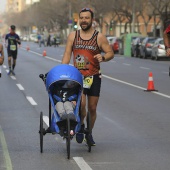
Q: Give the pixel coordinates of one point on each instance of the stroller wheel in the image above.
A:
(41, 132)
(68, 137)
(89, 131)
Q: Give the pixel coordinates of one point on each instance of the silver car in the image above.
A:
(158, 49)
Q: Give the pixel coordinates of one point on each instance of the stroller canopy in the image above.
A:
(63, 72)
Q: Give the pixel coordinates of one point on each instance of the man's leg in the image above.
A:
(13, 64)
(92, 107)
(80, 135)
(83, 108)
(9, 64)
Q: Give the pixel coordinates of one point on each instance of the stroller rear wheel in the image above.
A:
(41, 132)
(68, 137)
(89, 131)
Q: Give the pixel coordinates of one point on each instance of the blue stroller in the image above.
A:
(54, 81)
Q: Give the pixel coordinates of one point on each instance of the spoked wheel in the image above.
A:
(68, 137)
(89, 131)
(41, 132)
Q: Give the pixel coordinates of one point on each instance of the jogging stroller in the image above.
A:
(54, 81)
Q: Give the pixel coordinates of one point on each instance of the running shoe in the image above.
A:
(13, 73)
(80, 135)
(10, 72)
(89, 137)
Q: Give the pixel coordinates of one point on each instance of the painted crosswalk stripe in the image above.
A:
(31, 100)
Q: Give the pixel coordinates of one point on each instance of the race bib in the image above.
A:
(87, 82)
(13, 47)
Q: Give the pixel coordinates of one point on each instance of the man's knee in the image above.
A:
(92, 108)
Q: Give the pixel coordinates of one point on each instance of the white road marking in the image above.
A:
(164, 72)
(46, 120)
(4, 66)
(53, 59)
(31, 100)
(126, 64)
(20, 87)
(145, 68)
(13, 77)
(139, 87)
(120, 81)
(81, 163)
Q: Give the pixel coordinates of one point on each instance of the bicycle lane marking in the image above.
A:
(7, 159)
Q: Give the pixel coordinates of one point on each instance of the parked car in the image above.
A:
(33, 37)
(158, 49)
(146, 47)
(136, 46)
(115, 43)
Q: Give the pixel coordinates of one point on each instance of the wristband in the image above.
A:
(103, 58)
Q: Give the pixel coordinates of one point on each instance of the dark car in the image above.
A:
(136, 46)
(146, 47)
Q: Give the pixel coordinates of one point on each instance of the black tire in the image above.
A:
(89, 130)
(68, 137)
(41, 132)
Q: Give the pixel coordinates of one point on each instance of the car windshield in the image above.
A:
(161, 42)
(151, 41)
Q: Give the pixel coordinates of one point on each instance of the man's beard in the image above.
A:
(87, 27)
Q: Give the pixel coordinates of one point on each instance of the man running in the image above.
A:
(86, 45)
(13, 39)
(166, 37)
(1, 56)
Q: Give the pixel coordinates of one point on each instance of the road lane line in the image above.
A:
(165, 72)
(31, 100)
(139, 87)
(7, 159)
(4, 66)
(20, 87)
(53, 59)
(81, 163)
(145, 68)
(13, 77)
(46, 120)
(120, 81)
(126, 64)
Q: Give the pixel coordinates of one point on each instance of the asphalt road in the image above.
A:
(132, 131)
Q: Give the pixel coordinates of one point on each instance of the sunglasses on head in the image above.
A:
(86, 9)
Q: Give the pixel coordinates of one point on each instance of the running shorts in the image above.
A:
(94, 90)
(12, 54)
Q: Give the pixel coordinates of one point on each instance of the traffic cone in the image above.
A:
(28, 48)
(150, 83)
(44, 53)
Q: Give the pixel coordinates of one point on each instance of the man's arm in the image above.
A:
(18, 40)
(166, 38)
(2, 54)
(68, 49)
(106, 48)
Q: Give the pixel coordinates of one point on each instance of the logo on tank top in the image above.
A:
(87, 47)
(82, 62)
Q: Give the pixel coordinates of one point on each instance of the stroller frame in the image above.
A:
(53, 124)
